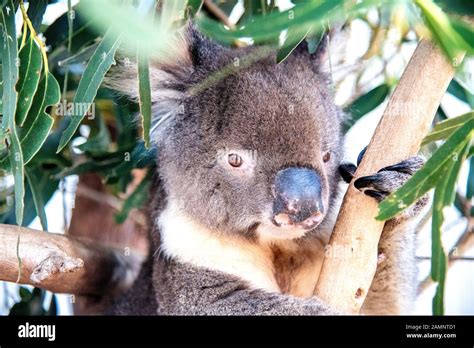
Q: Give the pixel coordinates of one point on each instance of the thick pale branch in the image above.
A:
(345, 279)
(64, 264)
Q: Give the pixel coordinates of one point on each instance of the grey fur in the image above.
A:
(283, 113)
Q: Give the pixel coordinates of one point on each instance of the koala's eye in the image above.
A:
(327, 157)
(235, 160)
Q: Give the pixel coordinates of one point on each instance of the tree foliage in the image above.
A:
(58, 121)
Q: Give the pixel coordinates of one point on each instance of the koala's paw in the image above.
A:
(386, 181)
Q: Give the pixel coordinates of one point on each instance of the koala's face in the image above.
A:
(256, 153)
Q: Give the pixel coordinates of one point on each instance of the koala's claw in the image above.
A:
(409, 166)
(386, 180)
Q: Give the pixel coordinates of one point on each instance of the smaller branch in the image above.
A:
(113, 202)
(216, 11)
(35, 36)
(464, 243)
(64, 264)
(451, 258)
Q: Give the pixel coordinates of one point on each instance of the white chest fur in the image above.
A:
(257, 263)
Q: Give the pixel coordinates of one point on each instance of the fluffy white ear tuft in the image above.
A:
(169, 71)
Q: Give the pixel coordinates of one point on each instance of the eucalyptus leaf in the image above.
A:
(445, 128)
(365, 104)
(29, 76)
(470, 178)
(456, 89)
(80, 57)
(95, 71)
(193, 7)
(36, 186)
(450, 34)
(38, 123)
(145, 95)
(9, 55)
(294, 37)
(269, 27)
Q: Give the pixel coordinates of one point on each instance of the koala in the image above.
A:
(247, 187)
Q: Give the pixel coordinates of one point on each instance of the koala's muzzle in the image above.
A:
(297, 198)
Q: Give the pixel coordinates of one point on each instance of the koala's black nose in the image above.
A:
(297, 198)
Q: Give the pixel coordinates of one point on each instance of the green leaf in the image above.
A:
(254, 9)
(438, 256)
(425, 179)
(470, 178)
(269, 27)
(98, 143)
(38, 123)
(80, 57)
(29, 76)
(36, 186)
(16, 164)
(136, 28)
(445, 128)
(449, 189)
(32, 306)
(457, 90)
(136, 199)
(145, 95)
(47, 192)
(294, 37)
(365, 104)
(450, 34)
(95, 71)
(9, 54)
(193, 7)
(463, 7)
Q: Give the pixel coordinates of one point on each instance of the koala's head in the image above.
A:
(243, 148)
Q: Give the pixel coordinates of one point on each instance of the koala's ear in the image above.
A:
(171, 73)
(329, 52)
(171, 70)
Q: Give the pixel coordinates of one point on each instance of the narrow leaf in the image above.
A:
(80, 57)
(365, 104)
(9, 55)
(145, 95)
(33, 138)
(16, 164)
(456, 89)
(38, 123)
(95, 71)
(29, 75)
(294, 37)
(269, 27)
(36, 187)
(445, 128)
(470, 178)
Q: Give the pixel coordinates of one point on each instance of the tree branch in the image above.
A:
(64, 264)
(403, 125)
(462, 245)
